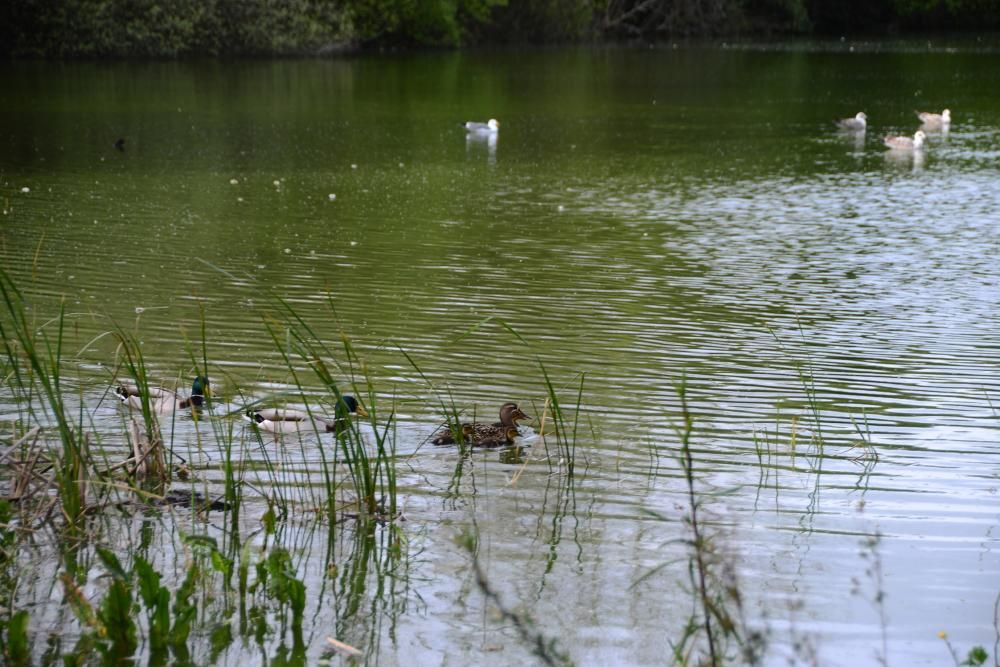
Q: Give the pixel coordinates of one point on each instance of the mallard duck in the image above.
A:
(489, 126)
(905, 143)
(163, 401)
(478, 432)
(281, 420)
(856, 124)
(934, 119)
(505, 436)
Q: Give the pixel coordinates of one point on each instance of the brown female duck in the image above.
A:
(504, 437)
(480, 433)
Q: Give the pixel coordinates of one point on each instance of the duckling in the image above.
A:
(164, 401)
(477, 432)
(277, 420)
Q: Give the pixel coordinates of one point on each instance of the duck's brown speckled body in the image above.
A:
(486, 434)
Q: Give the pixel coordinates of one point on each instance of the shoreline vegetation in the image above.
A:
(57, 29)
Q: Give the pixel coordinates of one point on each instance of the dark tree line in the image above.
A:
(172, 28)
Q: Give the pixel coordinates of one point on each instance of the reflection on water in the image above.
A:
(477, 142)
(940, 129)
(912, 160)
(828, 303)
(854, 139)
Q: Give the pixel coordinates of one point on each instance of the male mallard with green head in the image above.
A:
(163, 401)
(279, 420)
(481, 432)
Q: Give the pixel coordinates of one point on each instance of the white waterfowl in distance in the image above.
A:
(927, 118)
(856, 124)
(489, 126)
(905, 143)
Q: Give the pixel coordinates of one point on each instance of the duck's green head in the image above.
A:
(200, 386)
(349, 405)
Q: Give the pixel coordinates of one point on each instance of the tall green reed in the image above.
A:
(566, 436)
(15, 646)
(370, 467)
(717, 624)
(34, 358)
(149, 466)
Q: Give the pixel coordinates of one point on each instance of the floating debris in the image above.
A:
(192, 499)
(342, 648)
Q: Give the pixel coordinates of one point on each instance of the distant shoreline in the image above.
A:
(186, 29)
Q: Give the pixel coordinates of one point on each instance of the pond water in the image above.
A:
(643, 218)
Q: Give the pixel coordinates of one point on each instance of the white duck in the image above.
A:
(905, 143)
(857, 124)
(489, 127)
(935, 119)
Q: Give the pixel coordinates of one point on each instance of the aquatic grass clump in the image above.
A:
(112, 625)
(138, 609)
(147, 464)
(34, 362)
(15, 645)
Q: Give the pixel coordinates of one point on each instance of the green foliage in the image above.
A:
(13, 630)
(156, 599)
(220, 639)
(977, 656)
(424, 22)
(185, 609)
(115, 613)
(172, 28)
(544, 21)
(14, 640)
(279, 573)
(35, 361)
(169, 28)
